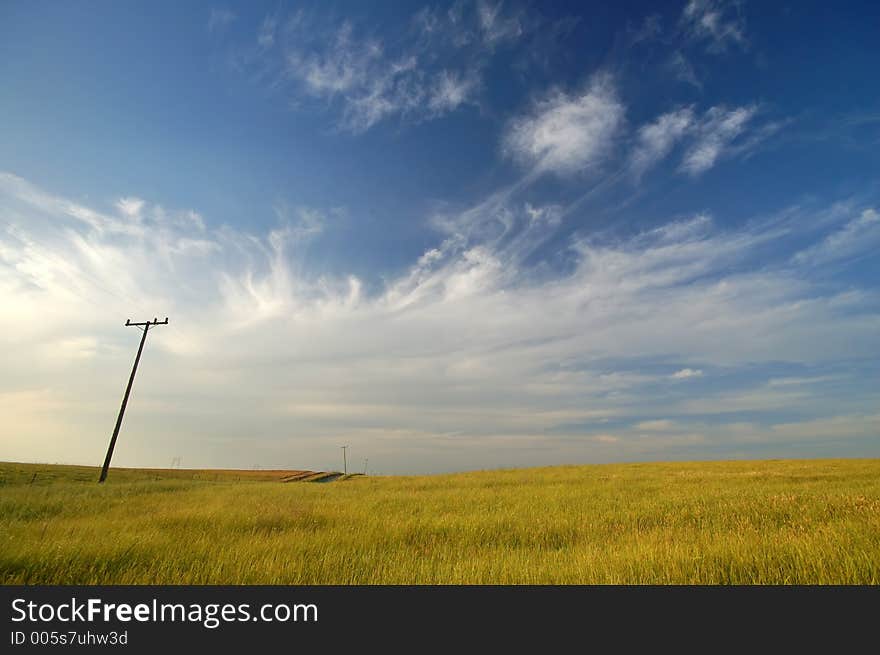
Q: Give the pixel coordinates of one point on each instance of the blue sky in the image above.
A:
(451, 236)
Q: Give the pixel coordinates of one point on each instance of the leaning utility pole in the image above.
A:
(145, 327)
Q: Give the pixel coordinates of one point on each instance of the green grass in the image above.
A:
(776, 522)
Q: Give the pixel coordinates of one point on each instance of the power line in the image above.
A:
(145, 327)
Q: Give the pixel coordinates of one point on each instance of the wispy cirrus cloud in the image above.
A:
(372, 84)
(714, 26)
(687, 373)
(450, 90)
(718, 129)
(683, 70)
(474, 343)
(483, 24)
(657, 139)
(219, 19)
(858, 237)
(568, 133)
(433, 68)
(656, 425)
(130, 206)
(719, 133)
(495, 26)
(717, 23)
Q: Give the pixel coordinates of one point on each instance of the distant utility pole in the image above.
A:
(344, 460)
(145, 327)
(365, 465)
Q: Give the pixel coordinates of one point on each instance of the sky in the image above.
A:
(450, 236)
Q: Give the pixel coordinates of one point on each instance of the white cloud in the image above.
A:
(739, 437)
(565, 134)
(860, 236)
(687, 373)
(683, 70)
(481, 24)
(451, 90)
(266, 35)
(219, 19)
(102, 223)
(75, 348)
(718, 134)
(719, 23)
(833, 427)
(494, 25)
(467, 348)
(131, 207)
(424, 73)
(650, 29)
(798, 381)
(655, 140)
(373, 85)
(659, 425)
(760, 398)
(718, 129)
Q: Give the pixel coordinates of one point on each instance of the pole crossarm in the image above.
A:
(145, 327)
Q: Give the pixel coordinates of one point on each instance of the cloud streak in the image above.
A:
(474, 348)
(717, 23)
(687, 373)
(219, 19)
(858, 238)
(719, 129)
(433, 69)
(655, 140)
(566, 134)
(719, 133)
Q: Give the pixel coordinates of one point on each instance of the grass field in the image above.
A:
(777, 522)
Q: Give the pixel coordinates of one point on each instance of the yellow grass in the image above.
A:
(776, 522)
